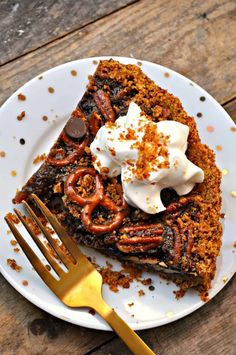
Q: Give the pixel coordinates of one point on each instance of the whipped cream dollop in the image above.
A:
(149, 156)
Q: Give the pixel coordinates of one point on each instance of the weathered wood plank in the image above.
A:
(209, 330)
(25, 329)
(26, 25)
(196, 38)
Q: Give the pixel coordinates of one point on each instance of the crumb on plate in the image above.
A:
(13, 264)
(21, 116)
(13, 218)
(39, 158)
(141, 293)
(21, 97)
(146, 282)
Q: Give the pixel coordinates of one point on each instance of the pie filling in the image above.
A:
(182, 238)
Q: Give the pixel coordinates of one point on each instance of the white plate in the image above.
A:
(156, 307)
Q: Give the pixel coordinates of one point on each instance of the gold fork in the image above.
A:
(81, 285)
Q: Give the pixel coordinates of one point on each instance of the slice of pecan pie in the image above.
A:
(184, 240)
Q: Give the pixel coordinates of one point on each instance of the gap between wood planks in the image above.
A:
(229, 101)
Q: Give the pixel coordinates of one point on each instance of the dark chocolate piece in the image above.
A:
(75, 128)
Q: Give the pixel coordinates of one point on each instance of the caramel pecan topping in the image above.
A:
(169, 235)
(184, 206)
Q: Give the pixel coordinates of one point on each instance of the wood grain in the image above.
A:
(182, 38)
(26, 25)
(209, 330)
(26, 329)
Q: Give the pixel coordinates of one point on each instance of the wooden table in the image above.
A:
(195, 38)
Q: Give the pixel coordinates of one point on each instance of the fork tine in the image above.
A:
(33, 258)
(41, 246)
(63, 257)
(63, 235)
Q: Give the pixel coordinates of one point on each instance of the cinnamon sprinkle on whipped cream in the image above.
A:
(149, 156)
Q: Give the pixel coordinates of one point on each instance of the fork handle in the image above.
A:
(130, 338)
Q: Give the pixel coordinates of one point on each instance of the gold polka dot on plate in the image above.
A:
(225, 279)
(224, 171)
(233, 193)
(219, 148)
(166, 75)
(13, 173)
(210, 128)
(73, 72)
(169, 314)
(51, 90)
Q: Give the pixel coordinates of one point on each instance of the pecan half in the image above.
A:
(136, 248)
(122, 93)
(134, 239)
(95, 123)
(103, 103)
